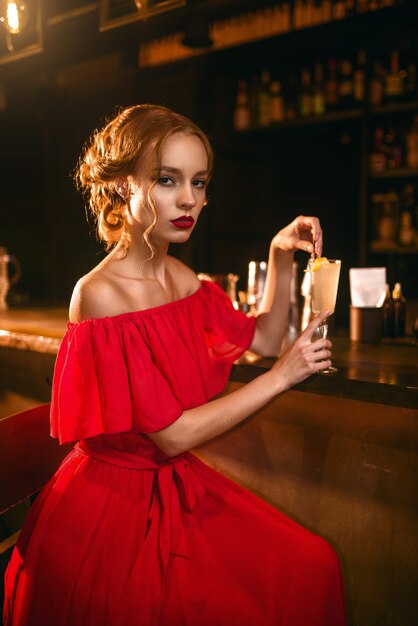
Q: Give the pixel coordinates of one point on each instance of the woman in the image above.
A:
(132, 529)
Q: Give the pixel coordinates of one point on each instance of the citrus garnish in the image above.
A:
(318, 262)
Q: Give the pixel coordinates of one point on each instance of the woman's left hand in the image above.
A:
(301, 234)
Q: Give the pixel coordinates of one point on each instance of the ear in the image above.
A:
(121, 186)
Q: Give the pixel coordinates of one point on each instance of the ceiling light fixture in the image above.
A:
(13, 16)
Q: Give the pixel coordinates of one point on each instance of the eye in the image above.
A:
(200, 183)
(166, 181)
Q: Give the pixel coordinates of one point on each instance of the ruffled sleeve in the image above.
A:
(229, 332)
(105, 381)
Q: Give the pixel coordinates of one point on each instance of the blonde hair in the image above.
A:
(113, 152)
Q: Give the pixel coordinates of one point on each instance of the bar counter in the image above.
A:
(386, 373)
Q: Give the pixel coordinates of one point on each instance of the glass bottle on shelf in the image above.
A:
(305, 97)
(291, 100)
(318, 100)
(253, 90)
(242, 109)
(338, 10)
(399, 311)
(393, 149)
(276, 102)
(363, 6)
(411, 82)
(386, 225)
(378, 156)
(412, 144)
(359, 78)
(345, 86)
(264, 99)
(331, 86)
(387, 314)
(407, 232)
(394, 88)
(377, 85)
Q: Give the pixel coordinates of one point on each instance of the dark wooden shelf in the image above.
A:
(399, 250)
(387, 109)
(312, 120)
(400, 172)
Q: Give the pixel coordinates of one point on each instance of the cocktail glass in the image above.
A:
(324, 287)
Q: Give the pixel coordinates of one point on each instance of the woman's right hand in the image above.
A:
(303, 358)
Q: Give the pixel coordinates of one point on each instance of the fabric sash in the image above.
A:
(176, 488)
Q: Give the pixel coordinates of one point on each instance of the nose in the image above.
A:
(186, 198)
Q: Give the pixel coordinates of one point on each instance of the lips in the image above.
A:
(185, 221)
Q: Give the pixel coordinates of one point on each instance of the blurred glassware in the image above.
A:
(5, 280)
(227, 282)
(257, 271)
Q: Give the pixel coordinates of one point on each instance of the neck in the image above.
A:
(137, 261)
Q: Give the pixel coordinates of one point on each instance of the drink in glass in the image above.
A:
(325, 274)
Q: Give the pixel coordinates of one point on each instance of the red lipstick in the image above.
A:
(185, 221)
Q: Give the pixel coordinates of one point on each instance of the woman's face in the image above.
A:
(179, 190)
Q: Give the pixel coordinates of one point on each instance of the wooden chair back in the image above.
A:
(28, 458)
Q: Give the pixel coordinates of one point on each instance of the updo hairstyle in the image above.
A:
(113, 152)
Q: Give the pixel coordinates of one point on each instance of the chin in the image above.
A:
(181, 236)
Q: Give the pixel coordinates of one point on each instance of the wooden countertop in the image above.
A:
(46, 322)
(39, 330)
(385, 373)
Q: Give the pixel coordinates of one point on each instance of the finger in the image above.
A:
(306, 246)
(322, 355)
(323, 365)
(314, 324)
(317, 235)
(321, 344)
(309, 230)
(318, 244)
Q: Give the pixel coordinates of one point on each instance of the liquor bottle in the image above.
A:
(411, 82)
(242, 109)
(276, 102)
(264, 99)
(359, 78)
(338, 10)
(363, 6)
(394, 88)
(253, 91)
(377, 85)
(407, 232)
(412, 144)
(378, 156)
(386, 225)
(318, 100)
(331, 86)
(345, 86)
(387, 314)
(291, 101)
(399, 311)
(393, 150)
(350, 7)
(305, 97)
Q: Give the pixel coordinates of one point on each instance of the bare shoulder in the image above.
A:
(183, 275)
(94, 296)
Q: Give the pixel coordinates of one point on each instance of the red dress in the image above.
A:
(123, 535)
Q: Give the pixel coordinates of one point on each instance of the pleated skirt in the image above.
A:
(108, 543)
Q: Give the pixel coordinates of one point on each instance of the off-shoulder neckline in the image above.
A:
(142, 312)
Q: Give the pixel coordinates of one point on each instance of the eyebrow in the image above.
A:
(175, 170)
